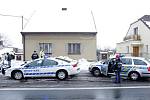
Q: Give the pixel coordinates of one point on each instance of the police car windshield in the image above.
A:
(64, 60)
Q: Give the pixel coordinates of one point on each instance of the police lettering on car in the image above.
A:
(44, 67)
(132, 67)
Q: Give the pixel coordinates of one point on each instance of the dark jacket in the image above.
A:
(117, 65)
(9, 57)
(34, 56)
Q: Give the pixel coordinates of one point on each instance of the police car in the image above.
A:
(46, 67)
(132, 67)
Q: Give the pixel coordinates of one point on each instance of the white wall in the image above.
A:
(144, 33)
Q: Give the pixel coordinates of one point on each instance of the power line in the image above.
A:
(16, 16)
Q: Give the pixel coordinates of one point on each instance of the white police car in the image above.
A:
(46, 67)
(132, 67)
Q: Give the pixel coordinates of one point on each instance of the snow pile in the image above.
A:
(84, 64)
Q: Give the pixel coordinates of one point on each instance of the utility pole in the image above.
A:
(22, 19)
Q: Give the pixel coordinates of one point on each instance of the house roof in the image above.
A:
(61, 20)
(146, 20)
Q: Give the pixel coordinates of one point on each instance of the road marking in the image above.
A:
(84, 88)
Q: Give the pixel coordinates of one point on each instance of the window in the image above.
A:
(146, 48)
(35, 63)
(136, 31)
(104, 56)
(73, 48)
(126, 61)
(18, 57)
(139, 62)
(48, 62)
(127, 49)
(47, 47)
(64, 60)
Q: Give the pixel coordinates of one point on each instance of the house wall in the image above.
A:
(60, 44)
(144, 33)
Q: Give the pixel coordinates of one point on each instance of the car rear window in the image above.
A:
(47, 62)
(139, 62)
(63, 60)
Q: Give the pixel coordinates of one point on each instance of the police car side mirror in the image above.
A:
(104, 62)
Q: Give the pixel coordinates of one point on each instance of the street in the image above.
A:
(84, 79)
(81, 87)
(129, 93)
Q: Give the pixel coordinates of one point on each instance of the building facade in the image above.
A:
(136, 42)
(61, 34)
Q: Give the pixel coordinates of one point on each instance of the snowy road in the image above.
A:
(84, 79)
(111, 93)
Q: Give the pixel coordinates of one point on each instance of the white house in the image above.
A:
(137, 40)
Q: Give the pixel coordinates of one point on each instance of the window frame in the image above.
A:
(50, 61)
(74, 48)
(29, 64)
(136, 31)
(139, 60)
(129, 60)
(42, 46)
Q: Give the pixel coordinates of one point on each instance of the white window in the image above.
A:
(47, 47)
(127, 49)
(136, 31)
(146, 48)
(73, 48)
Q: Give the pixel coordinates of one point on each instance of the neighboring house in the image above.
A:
(136, 42)
(61, 32)
(104, 55)
(18, 53)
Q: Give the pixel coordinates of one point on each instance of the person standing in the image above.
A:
(42, 54)
(8, 58)
(117, 69)
(34, 55)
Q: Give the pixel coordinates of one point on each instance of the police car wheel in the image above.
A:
(134, 76)
(17, 75)
(96, 72)
(61, 75)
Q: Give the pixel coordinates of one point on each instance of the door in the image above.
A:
(104, 68)
(33, 69)
(49, 67)
(126, 66)
(136, 51)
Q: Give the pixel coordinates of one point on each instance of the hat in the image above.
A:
(117, 56)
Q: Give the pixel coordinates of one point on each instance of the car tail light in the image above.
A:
(148, 68)
(75, 65)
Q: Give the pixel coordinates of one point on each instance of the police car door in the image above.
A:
(126, 66)
(104, 68)
(33, 69)
(49, 67)
(139, 65)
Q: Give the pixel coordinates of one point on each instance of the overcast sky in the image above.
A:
(112, 17)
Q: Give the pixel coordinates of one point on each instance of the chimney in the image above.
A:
(64, 9)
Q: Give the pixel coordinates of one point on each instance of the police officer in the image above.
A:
(117, 68)
(34, 55)
(9, 58)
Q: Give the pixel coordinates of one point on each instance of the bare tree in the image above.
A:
(4, 41)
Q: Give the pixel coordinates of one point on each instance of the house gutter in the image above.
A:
(23, 41)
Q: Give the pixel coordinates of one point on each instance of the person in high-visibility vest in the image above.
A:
(42, 54)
